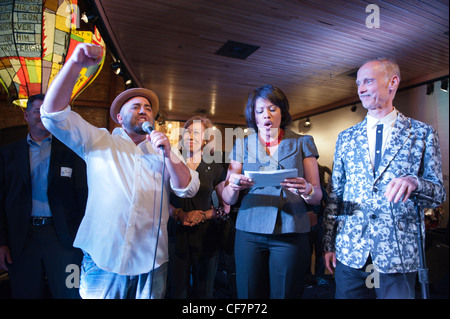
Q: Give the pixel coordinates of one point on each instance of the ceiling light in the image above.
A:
(116, 67)
(307, 122)
(88, 17)
(430, 88)
(444, 85)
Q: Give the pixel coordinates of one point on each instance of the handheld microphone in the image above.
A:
(420, 196)
(148, 128)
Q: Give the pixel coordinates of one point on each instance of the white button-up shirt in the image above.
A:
(119, 229)
(388, 123)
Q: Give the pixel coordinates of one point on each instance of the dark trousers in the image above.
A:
(315, 241)
(203, 270)
(363, 283)
(43, 258)
(271, 266)
(193, 250)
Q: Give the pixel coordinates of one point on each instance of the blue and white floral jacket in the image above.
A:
(359, 220)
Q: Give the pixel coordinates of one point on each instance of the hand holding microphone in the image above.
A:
(158, 139)
(404, 188)
(400, 188)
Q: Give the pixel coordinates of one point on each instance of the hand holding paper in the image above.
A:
(271, 178)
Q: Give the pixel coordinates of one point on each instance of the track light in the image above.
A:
(430, 88)
(119, 69)
(88, 17)
(307, 122)
(116, 66)
(444, 85)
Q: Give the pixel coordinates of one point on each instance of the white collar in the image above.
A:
(387, 121)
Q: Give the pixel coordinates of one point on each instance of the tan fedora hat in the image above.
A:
(123, 97)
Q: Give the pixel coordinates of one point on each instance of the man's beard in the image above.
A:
(138, 130)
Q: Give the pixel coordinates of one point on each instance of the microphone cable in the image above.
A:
(399, 251)
(159, 227)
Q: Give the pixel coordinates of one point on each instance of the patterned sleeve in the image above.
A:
(430, 174)
(334, 199)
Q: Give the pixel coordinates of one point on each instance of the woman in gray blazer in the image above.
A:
(271, 246)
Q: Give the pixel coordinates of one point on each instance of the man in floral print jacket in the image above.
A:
(370, 217)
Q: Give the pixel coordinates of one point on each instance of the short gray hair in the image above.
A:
(389, 65)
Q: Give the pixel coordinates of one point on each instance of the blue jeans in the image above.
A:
(351, 284)
(96, 283)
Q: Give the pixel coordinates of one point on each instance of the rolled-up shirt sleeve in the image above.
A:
(194, 183)
(71, 129)
(191, 189)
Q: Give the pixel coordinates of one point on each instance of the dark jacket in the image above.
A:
(66, 195)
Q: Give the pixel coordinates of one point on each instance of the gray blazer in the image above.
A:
(272, 210)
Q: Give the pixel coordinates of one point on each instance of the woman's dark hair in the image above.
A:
(275, 96)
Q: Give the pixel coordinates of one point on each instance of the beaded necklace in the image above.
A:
(275, 142)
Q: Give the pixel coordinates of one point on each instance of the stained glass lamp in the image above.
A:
(36, 37)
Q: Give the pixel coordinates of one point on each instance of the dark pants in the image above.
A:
(193, 250)
(354, 283)
(44, 258)
(203, 274)
(271, 266)
(315, 241)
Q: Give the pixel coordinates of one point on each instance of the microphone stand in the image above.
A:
(423, 270)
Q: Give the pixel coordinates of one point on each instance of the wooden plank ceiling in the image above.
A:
(307, 48)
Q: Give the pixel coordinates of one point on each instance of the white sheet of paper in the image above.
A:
(271, 178)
